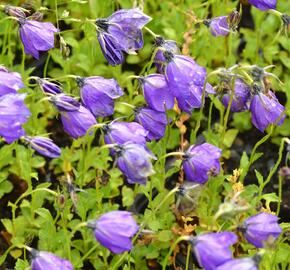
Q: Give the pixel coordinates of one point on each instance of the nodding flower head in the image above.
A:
(263, 4)
(251, 263)
(114, 230)
(201, 162)
(36, 36)
(43, 260)
(98, 94)
(10, 82)
(135, 162)
(259, 228)
(213, 249)
(121, 32)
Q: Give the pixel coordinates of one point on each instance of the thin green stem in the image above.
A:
(210, 116)
(260, 142)
(197, 126)
(188, 256)
(226, 117)
(274, 169)
(280, 185)
(150, 31)
(90, 251)
(178, 240)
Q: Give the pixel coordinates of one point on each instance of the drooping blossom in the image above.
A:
(218, 26)
(43, 146)
(259, 228)
(153, 121)
(263, 4)
(240, 98)
(186, 80)
(36, 36)
(114, 230)
(201, 162)
(251, 263)
(121, 32)
(48, 87)
(266, 110)
(10, 82)
(13, 114)
(98, 94)
(122, 132)
(157, 93)
(162, 46)
(43, 260)
(76, 119)
(134, 161)
(213, 249)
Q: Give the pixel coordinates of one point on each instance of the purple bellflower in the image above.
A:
(218, 26)
(121, 32)
(43, 260)
(266, 110)
(240, 98)
(48, 87)
(98, 94)
(251, 263)
(157, 93)
(185, 79)
(259, 228)
(201, 162)
(43, 146)
(36, 36)
(10, 82)
(122, 132)
(164, 45)
(13, 114)
(264, 4)
(114, 230)
(153, 121)
(213, 249)
(77, 123)
(76, 119)
(134, 161)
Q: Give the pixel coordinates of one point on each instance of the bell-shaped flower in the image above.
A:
(43, 146)
(263, 4)
(76, 119)
(240, 98)
(114, 230)
(251, 263)
(201, 161)
(121, 32)
(259, 228)
(134, 161)
(185, 79)
(213, 249)
(10, 82)
(218, 26)
(65, 103)
(122, 132)
(157, 93)
(43, 260)
(36, 36)
(162, 46)
(98, 94)
(48, 87)
(77, 123)
(266, 110)
(13, 114)
(153, 121)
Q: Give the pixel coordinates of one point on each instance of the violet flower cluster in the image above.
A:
(212, 250)
(262, 103)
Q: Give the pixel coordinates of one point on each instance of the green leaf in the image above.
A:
(259, 177)
(230, 136)
(127, 196)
